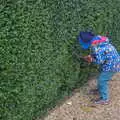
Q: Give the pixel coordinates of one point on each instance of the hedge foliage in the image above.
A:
(37, 39)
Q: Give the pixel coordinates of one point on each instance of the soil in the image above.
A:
(80, 106)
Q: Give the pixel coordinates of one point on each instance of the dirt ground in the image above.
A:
(80, 107)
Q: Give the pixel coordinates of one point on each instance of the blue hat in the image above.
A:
(85, 39)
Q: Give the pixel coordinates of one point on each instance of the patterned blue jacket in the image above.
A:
(106, 56)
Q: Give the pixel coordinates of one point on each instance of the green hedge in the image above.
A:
(37, 39)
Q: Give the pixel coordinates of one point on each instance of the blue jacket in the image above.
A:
(106, 56)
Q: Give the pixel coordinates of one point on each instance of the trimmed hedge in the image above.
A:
(37, 39)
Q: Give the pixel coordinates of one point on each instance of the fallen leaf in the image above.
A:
(86, 108)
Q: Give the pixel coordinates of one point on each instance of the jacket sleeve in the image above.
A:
(98, 55)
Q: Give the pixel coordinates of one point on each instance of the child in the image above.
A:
(104, 54)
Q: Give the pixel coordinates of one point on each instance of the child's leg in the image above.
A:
(103, 79)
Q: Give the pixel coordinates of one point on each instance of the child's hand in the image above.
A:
(88, 58)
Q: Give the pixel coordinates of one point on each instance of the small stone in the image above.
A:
(69, 103)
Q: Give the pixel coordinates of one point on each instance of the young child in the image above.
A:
(104, 54)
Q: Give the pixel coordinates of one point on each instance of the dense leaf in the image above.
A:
(37, 42)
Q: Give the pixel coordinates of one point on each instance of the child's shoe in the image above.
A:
(102, 102)
(94, 92)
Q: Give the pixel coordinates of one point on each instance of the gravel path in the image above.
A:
(80, 107)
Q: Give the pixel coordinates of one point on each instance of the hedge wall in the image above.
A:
(37, 39)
